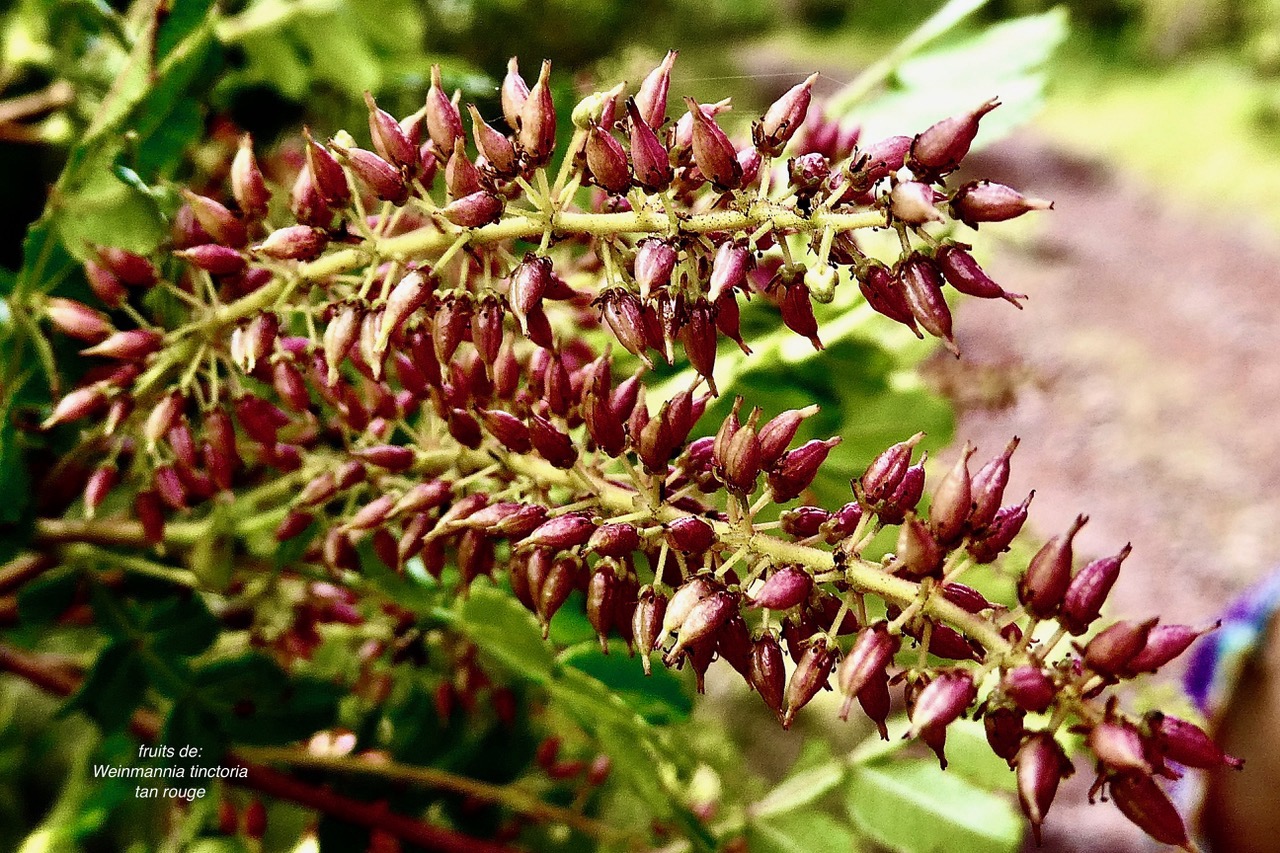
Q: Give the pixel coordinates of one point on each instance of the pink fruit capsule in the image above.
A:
(785, 588)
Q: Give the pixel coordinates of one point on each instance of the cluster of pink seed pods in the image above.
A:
(390, 346)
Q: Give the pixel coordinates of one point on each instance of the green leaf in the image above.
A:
(113, 687)
(801, 832)
(502, 629)
(913, 806)
(659, 698)
(1006, 60)
(47, 597)
(258, 703)
(180, 626)
(801, 789)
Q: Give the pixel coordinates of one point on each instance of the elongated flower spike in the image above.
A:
(417, 375)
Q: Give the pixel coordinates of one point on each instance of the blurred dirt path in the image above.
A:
(1144, 380)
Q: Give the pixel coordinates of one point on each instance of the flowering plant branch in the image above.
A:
(407, 359)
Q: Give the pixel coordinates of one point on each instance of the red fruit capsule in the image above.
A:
(1041, 765)
(810, 675)
(1044, 584)
(646, 623)
(129, 268)
(1118, 746)
(1110, 652)
(1030, 688)
(327, 176)
(651, 100)
(963, 273)
(987, 201)
(952, 501)
(785, 588)
(390, 139)
(495, 147)
(537, 133)
(514, 92)
(797, 312)
(938, 150)
(649, 158)
(783, 118)
(247, 184)
(714, 154)
(690, 535)
(768, 672)
(1000, 532)
(1087, 591)
(922, 287)
(1141, 800)
(1188, 744)
(614, 540)
(702, 623)
(871, 653)
(474, 210)
(607, 161)
(444, 122)
(1164, 643)
(987, 488)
